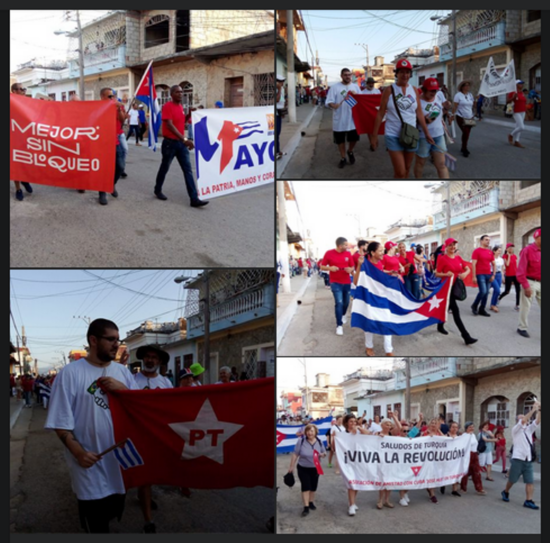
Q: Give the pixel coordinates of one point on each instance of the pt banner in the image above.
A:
(374, 462)
(197, 437)
(234, 149)
(63, 144)
(287, 438)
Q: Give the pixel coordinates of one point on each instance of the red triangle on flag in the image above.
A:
(436, 305)
(416, 469)
(280, 437)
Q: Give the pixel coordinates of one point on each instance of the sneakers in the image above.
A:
(351, 511)
(27, 186)
(342, 162)
(406, 497)
(150, 528)
(102, 198)
(19, 195)
(530, 504)
(351, 157)
(305, 512)
(339, 331)
(198, 203)
(523, 333)
(403, 502)
(312, 506)
(505, 496)
(160, 195)
(516, 308)
(344, 319)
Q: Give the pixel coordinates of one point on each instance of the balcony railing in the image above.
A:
(479, 39)
(482, 202)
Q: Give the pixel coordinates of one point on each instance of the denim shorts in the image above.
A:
(393, 144)
(518, 468)
(425, 148)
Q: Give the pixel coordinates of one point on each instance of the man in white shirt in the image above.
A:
(80, 415)
(152, 357)
(522, 456)
(343, 126)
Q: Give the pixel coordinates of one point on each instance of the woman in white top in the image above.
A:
(335, 429)
(497, 265)
(463, 105)
(432, 108)
(407, 99)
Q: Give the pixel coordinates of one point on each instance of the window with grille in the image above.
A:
(250, 362)
(264, 89)
(163, 94)
(157, 31)
(320, 397)
(377, 410)
(397, 409)
(187, 99)
(498, 411)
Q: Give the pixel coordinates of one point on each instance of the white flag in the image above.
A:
(495, 83)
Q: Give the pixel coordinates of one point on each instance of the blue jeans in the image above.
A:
(496, 288)
(341, 300)
(176, 148)
(412, 284)
(483, 282)
(134, 129)
(28, 397)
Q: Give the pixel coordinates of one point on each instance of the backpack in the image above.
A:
(481, 444)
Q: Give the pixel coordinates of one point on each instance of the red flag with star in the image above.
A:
(197, 437)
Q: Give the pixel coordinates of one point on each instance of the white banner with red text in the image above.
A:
(374, 462)
(234, 149)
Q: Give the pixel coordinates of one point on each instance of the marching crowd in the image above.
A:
(487, 446)
(489, 269)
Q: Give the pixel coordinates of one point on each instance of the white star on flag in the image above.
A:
(236, 130)
(206, 435)
(435, 302)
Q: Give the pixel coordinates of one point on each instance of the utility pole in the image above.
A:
(206, 311)
(307, 393)
(291, 75)
(453, 88)
(366, 47)
(80, 56)
(448, 196)
(407, 389)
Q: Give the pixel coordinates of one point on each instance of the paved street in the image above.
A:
(311, 331)
(55, 227)
(471, 513)
(41, 499)
(315, 156)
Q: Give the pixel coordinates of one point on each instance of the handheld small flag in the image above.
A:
(147, 93)
(128, 456)
(350, 100)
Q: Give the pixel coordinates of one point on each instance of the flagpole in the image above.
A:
(134, 91)
(119, 444)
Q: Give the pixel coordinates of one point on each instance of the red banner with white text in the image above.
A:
(63, 144)
(212, 436)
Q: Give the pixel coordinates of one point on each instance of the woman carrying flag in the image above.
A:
(306, 454)
(432, 109)
(375, 254)
(450, 264)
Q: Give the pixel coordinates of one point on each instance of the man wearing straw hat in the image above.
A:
(80, 415)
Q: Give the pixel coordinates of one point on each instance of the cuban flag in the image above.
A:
(350, 100)
(430, 281)
(128, 456)
(147, 94)
(382, 305)
(287, 438)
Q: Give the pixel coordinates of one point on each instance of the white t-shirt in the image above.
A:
(342, 120)
(281, 102)
(134, 116)
(77, 404)
(373, 91)
(433, 110)
(374, 427)
(336, 429)
(499, 264)
(441, 96)
(465, 104)
(407, 105)
(159, 381)
(473, 443)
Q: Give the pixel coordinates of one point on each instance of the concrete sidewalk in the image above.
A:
(15, 408)
(287, 302)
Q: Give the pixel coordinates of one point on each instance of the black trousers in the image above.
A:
(453, 306)
(508, 280)
(95, 515)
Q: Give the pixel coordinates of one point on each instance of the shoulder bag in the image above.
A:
(459, 290)
(469, 122)
(409, 134)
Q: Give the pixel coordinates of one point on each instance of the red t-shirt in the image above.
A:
(484, 258)
(355, 257)
(512, 267)
(446, 264)
(175, 113)
(410, 258)
(27, 385)
(379, 264)
(340, 260)
(403, 261)
(391, 263)
(520, 102)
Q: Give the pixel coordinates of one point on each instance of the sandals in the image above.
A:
(379, 505)
(370, 352)
(388, 504)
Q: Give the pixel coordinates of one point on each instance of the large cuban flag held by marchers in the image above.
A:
(383, 305)
(147, 94)
(287, 438)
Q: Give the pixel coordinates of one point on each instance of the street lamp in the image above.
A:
(206, 312)
(80, 51)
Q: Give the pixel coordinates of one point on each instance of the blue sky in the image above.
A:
(386, 32)
(48, 303)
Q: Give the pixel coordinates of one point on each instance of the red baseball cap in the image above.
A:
(389, 244)
(403, 64)
(430, 84)
(509, 245)
(449, 241)
(536, 233)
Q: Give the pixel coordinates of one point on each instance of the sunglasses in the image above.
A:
(20, 89)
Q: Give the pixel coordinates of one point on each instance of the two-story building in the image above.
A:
(320, 400)
(242, 320)
(363, 382)
(301, 66)
(291, 401)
